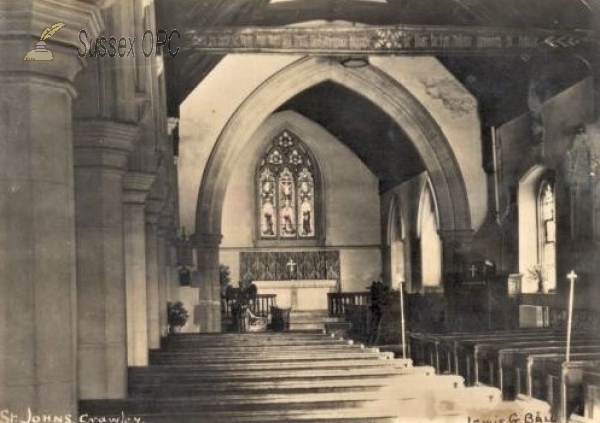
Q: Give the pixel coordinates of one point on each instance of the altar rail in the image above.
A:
(261, 306)
(338, 302)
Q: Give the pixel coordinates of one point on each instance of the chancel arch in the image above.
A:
(369, 82)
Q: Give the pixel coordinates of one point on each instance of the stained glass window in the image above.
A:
(288, 186)
(547, 236)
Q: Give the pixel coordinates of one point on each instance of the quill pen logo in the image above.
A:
(41, 53)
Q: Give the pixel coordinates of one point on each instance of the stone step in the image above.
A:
(283, 365)
(224, 401)
(283, 386)
(289, 335)
(307, 325)
(262, 349)
(194, 375)
(274, 358)
(353, 415)
(247, 342)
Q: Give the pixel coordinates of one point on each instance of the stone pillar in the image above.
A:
(135, 189)
(101, 151)
(152, 275)
(163, 293)
(209, 308)
(38, 323)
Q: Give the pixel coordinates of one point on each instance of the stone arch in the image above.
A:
(396, 242)
(428, 234)
(371, 83)
(427, 188)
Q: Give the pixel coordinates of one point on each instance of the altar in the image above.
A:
(299, 295)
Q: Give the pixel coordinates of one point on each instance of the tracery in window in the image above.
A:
(288, 186)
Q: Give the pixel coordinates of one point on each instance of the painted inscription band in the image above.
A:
(379, 40)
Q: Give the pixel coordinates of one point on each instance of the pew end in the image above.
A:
(576, 418)
(534, 405)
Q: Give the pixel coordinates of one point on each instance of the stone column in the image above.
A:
(163, 293)
(209, 308)
(152, 274)
(38, 323)
(101, 151)
(135, 189)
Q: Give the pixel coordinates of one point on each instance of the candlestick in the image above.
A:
(571, 276)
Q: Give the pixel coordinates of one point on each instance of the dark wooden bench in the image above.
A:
(560, 383)
(442, 351)
(591, 390)
(513, 363)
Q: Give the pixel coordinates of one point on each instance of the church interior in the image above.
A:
(300, 210)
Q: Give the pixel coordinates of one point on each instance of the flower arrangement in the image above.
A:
(537, 274)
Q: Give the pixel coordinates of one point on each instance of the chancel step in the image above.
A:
(289, 377)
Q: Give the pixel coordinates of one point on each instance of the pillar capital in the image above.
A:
(25, 23)
(207, 240)
(136, 186)
(104, 143)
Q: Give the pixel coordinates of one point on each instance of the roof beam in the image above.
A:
(379, 40)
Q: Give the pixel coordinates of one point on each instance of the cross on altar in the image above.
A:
(291, 265)
(473, 270)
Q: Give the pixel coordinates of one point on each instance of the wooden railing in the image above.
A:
(338, 302)
(261, 306)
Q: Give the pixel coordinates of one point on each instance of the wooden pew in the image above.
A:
(466, 351)
(441, 350)
(486, 355)
(591, 389)
(560, 382)
(512, 363)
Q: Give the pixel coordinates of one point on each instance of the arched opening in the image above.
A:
(426, 136)
(419, 128)
(431, 249)
(396, 241)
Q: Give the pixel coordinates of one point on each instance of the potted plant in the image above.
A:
(177, 316)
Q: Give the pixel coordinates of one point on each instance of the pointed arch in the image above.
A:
(369, 82)
(428, 234)
(396, 240)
